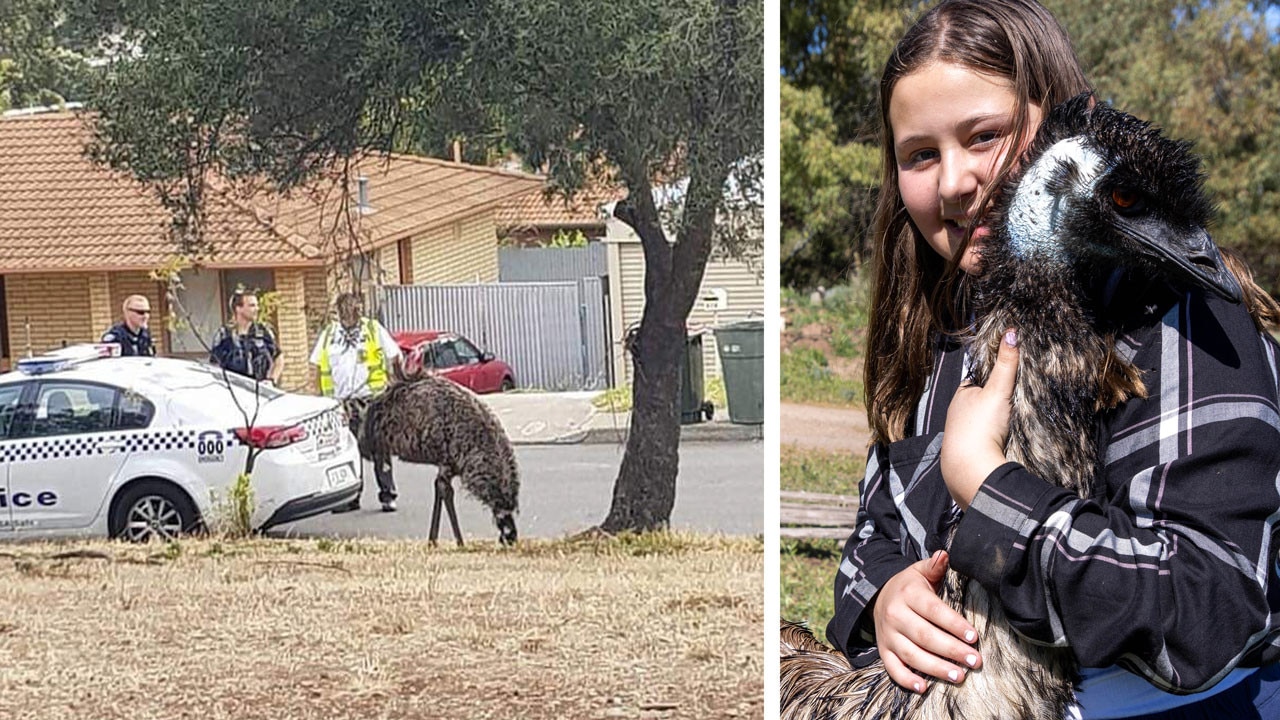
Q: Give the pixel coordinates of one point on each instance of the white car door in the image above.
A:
(9, 396)
(66, 456)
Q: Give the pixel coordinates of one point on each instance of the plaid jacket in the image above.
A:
(1168, 569)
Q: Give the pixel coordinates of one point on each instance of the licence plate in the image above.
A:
(341, 475)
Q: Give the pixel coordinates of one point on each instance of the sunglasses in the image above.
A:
(140, 312)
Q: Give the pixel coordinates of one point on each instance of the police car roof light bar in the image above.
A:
(67, 357)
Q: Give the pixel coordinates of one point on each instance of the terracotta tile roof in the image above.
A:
(59, 211)
(407, 195)
(538, 211)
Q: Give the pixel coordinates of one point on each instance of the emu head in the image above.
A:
(1100, 189)
(506, 526)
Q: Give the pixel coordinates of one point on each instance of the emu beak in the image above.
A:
(1189, 256)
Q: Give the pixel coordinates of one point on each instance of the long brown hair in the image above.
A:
(916, 293)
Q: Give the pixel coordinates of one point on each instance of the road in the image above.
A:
(565, 489)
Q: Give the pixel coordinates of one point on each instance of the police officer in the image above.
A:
(246, 346)
(131, 333)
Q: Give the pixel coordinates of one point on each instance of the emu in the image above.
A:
(424, 419)
(1097, 190)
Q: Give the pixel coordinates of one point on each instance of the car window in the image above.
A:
(67, 408)
(135, 411)
(467, 353)
(445, 355)
(9, 396)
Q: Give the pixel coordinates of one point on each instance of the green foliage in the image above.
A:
(827, 192)
(172, 550)
(715, 392)
(807, 378)
(832, 55)
(43, 53)
(568, 239)
(614, 400)
(840, 321)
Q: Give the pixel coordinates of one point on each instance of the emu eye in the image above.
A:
(1126, 201)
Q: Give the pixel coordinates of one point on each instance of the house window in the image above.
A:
(252, 279)
(204, 308)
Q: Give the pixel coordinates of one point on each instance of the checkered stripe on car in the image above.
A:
(314, 425)
(36, 449)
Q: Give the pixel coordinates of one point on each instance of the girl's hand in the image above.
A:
(978, 426)
(917, 632)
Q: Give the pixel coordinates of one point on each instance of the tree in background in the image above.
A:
(661, 92)
(44, 52)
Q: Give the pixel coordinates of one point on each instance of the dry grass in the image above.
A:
(630, 628)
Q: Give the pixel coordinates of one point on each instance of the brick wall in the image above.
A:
(101, 312)
(56, 307)
(464, 252)
(291, 328)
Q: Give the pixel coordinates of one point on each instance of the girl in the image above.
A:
(1162, 580)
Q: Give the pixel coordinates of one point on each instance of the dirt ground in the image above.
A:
(819, 427)
(369, 629)
(824, 428)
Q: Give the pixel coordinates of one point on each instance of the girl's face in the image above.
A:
(951, 128)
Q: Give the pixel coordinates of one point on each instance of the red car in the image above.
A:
(452, 356)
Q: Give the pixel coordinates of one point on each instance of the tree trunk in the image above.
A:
(645, 490)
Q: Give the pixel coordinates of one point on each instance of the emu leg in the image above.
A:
(448, 505)
(442, 486)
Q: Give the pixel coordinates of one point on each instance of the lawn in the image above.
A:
(807, 568)
(821, 363)
(664, 626)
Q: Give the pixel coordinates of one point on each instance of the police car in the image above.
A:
(141, 448)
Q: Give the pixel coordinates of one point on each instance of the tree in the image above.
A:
(827, 192)
(655, 91)
(831, 57)
(44, 55)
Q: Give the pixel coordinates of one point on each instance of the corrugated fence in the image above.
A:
(552, 264)
(553, 334)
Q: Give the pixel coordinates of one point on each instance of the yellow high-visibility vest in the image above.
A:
(373, 358)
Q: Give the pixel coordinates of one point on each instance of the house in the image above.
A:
(76, 238)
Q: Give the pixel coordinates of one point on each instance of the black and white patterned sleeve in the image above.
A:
(871, 556)
(1165, 569)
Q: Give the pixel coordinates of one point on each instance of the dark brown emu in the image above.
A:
(430, 420)
(1098, 190)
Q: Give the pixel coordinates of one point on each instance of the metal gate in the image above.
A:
(553, 334)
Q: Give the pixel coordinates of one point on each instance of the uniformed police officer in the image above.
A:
(246, 346)
(131, 333)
